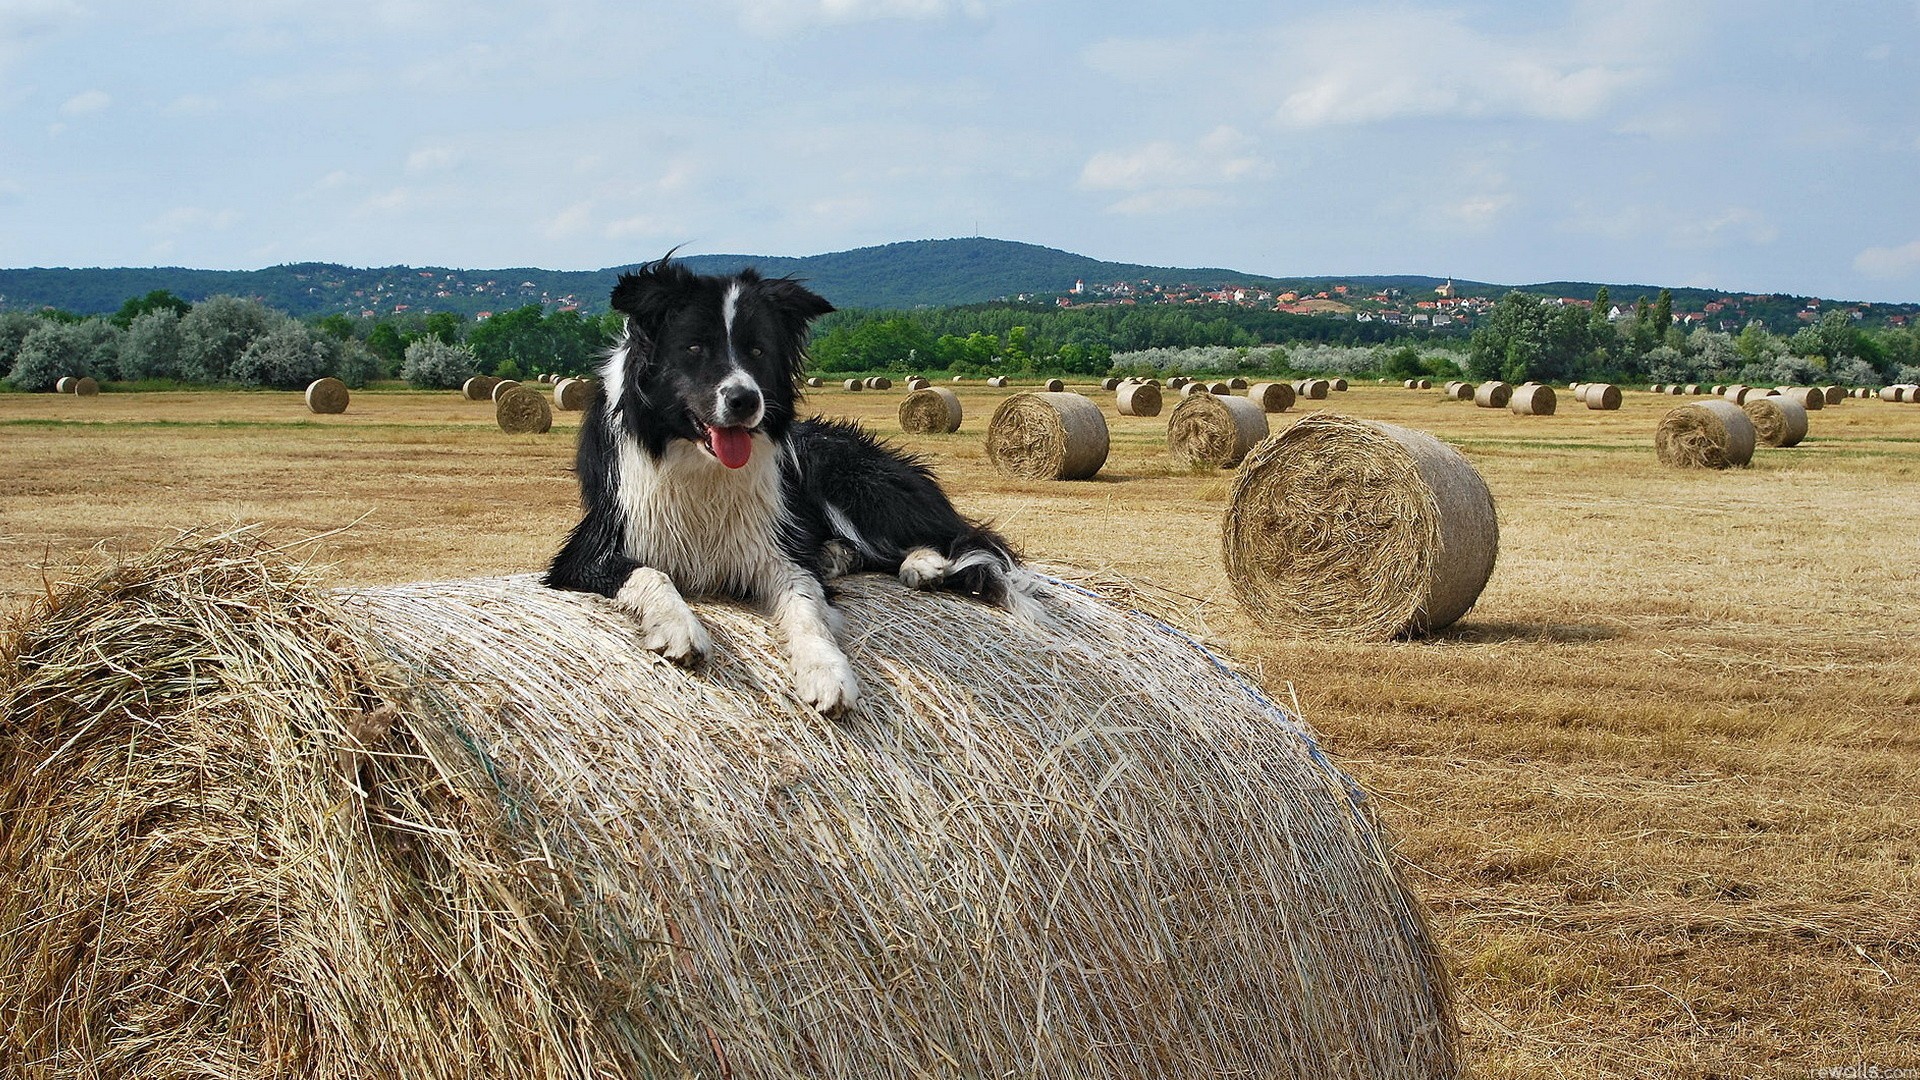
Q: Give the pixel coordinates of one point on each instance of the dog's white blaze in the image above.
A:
(712, 529)
(843, 527)
(613, 376)
(728, 307)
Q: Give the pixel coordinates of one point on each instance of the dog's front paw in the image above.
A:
(924, 568)
(676, 635)
(826, 684)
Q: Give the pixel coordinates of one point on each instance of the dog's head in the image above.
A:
(712, 360)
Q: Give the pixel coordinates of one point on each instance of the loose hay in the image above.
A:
(327, 396)
(1214, 431)
(1272, 396)
(521, 410)
(1492, 395)
(1533, 399)
(571, 395)
(1777, 421)
(1711, 434)
(1359, 529)
(249, 828)
(1138, 399)
(1047, 436)
(932, 410)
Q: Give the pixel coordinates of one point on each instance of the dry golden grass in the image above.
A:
(1659, 787)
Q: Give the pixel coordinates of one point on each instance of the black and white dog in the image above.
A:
(699, 482)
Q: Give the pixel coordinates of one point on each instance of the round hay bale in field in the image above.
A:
(1109, 384)
(959, 378)
(470, 829)
(1833, 395)
(918, 384)
(879, 382)
(1340, 386)
(1047, 436)
(1408, 384)
(1738, 394)
(1236, 383)
(1055, 386)
(1674, 391)
(1717, 390)
(64, 384)
(501, 386)
(931, 410)
(1138, 399)
(1313, 389)
(1657, 388)
(853, 384)
(1601, 397)
(86, 386)
(1890, 393)
(1192, 388)
(1492, 395)
(1693, 388)
(1458, 391)
(1533, 399)
(1272, 396)
(572, 395)
(1358, 529)
(815, 382)
(521, 410)
(1425, 384)
(479, 388)
(997, 381)
(1777, 421)
(327, 396)
(1711, 434)
(1808, 397)
(1178, 382)
(1218, 387)
(1214, 430)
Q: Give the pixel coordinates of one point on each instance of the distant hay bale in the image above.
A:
(917, 384)
(571, 395)
(1214, 430)
(1717, 389)
(1458, 391)
(1737, 393)
(959, 378)
(501, 386)
(1777, 421)
(1601, 397)
(1674, 390)
(1358, 529)
(1807, 397)
(479, 388)
(1047, 436)
(1425, 384)
(1109, 384)
(879, 382)
(1492, 395)
(521, 410)
(85, 386)
(1055, 386)
(1236, 383)
(815, 382)
(1657, 388)
(254, 828)
(1409, 384)
(1272, 397)
(930, 410)
(1833, 395)
(997, 381)
(1340, 386)
(1192, 388)
(1693, 388)
(1890, 393)
(1710, 434)
(853, 384)
(1220, 387)
(64, 384)
(1312, 389)
(1138, 399)
(1533, 399)
(327, 396)
(1177, 382)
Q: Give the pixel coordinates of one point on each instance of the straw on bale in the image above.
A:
(1492, 395)
(1710, 434)
(1054, 386)
(327, 396)
(1807, 397)
(1601, 397)
(1215, 431)
(1777, 421)
(1533, 399)
(64, 384)
(521, 410)
(1192, 388)
(996, 380)
(932, 410)
(1272, 396)
(251, 828)
(1359, 529)
(571, 395)
(1047, 436)
(501, 386)
(479, 388)
(1459, 391)
(1138, 399)
(853, 384)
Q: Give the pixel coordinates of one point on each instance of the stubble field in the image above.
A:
(1660, 789)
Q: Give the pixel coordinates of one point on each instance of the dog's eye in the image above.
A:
(755, 351)
(696, 350)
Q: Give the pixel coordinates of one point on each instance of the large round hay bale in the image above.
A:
(1808, 397)
(1047, 436)
(1138, 399)
(1492, 395)
(64, 384)
(571, 395)
(479, 388)
(1458, 391)
(327, 396)
(997, 381)
(501, 386)
(1710, 434)
(1214, 430)
(1055, 386)
(853, 384)
(931, 410)
(1890, 393)
(521, 410)
(1777, 421)
(86, 386)
(1533, 399)
(1340, 386)
(1833, 395)
(1601, 397)
(1272, 396)
(1359, 529)
(251, 827)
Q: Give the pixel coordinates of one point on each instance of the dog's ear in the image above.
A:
(645, 295)
(796, 301)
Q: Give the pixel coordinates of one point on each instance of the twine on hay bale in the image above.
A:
(249, 827)
(521, 410)
(1492, 395)
(572, 395)
(1272, 396)
(479, 388)
(1777, 421)
(1047, 436)
(1601, 397)
(1710, 434)
(327, 396)
(1214, 430)
(932, 410)
(1137, 399)
(1358, 528)
(1533, 399)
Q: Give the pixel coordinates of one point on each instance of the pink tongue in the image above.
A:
(732, 445)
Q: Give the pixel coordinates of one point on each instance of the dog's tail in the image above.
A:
(985, 566)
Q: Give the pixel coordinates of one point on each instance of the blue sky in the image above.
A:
(1750, 146)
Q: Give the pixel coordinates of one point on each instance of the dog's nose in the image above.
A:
(738, 403)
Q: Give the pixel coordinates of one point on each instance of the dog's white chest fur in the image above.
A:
(713, 530)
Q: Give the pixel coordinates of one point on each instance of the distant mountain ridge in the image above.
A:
(909, 274)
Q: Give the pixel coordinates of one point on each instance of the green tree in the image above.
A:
(157, 300)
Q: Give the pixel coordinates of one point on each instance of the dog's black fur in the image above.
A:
(710, 363)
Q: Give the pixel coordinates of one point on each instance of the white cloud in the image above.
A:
(92, 101)
(429, 159)
(781, 16)
(1222, 156)
(1889, 262)
(192, 219)
(1733, 225)
(1167, 201)
(191, 105)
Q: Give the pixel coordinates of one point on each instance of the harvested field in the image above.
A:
(1664, 830)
